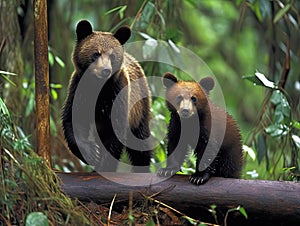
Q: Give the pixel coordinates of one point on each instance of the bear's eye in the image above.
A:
(193, 99)
(178, 99)
(96, 56)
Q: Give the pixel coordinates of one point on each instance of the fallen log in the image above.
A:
(266, 202)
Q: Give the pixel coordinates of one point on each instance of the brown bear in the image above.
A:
(193, 117)
(100, 58)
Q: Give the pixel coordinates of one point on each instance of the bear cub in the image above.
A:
(198, 123)
(100, 58)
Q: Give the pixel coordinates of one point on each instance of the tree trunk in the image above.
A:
(10, 53)
(266, 202)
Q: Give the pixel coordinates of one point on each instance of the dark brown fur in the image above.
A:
(192, 114)
(103, 55)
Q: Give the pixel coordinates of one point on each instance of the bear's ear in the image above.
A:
(83, 29)
(169, 79)
(123, 34)
(207, 84)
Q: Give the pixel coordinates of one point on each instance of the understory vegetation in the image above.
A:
(251, 47)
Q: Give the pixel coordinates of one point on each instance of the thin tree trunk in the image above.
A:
(10, 53)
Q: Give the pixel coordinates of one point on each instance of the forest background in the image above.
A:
(236, 39)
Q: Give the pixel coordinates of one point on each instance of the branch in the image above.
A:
(266, 202)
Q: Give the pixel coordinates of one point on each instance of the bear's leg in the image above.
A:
(71, 141)
(109, 155)
(141, 157)
(176, 151)
(174, 160)
(201, 177)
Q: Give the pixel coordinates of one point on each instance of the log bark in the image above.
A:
(266, 202)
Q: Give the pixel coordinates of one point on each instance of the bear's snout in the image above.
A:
(185, 108)
(185, 113)
(106, 72)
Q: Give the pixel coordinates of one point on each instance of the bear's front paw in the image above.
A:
(199, 178)
(167, 172)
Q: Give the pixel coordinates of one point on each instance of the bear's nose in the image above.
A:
(105, 73)
(185, 113)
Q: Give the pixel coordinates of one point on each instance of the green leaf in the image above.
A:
(253, 79)
(260, 80)
(213, 209)
(250, 152)
(296, 124)
(277, 130)
(9, 80)
(202, 224)
(150, 223)
(213, 206)
(115, 9)
(54, 94)
(296, 140)
(36, 219)
(121, 11)
(265, 8)
(281, 12)
(59, 61)
(261, 147)
(4, 75)
(160, 155)
(243, 211)
(276, 97)
(256, 9)
(51, 58)
(56, 86)
(3, 108)
(282, 109)
(173, 46)
(278, 116)
(190, 220)
(147, 13)
(7, 73)
(131, 217)
(145, 36)
(53, 126)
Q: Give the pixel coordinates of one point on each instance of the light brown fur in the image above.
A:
(192, 110)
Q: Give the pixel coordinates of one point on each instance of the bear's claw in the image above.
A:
(167, 172)
(199, 179)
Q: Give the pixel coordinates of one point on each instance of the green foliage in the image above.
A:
(36, 219)
(119, 9)
(5, 74)
(276, 134)
(239, 208)
(150, 223)
(11, 135)
(276, 138)
(234, 38)
(53, 58)
(29, 189)
(283, 11)
(28, 93)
